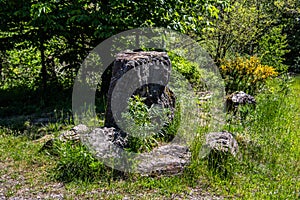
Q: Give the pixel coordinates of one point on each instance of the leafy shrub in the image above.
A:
(139, 117)
(144, 121)
(20, 67)
(245, 74)
(139, 110)
(272, 49)
(189, 70)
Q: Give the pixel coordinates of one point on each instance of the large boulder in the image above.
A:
(143, 73)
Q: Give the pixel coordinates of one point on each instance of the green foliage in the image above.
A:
(183, 16)
(272, 49)
(139, 110)
(290, 18)
(255, 29)
(144, 121)
(240, 19)
(189, 70)
(62, 33)
(296, 66)
(140, 113)
(21, 67)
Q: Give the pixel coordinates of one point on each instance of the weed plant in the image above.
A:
(149, 119)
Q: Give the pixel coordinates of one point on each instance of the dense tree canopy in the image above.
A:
(56, 35)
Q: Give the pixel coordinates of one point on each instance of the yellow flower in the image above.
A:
(248, 71)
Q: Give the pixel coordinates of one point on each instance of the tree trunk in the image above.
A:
(44, 67)
(1, 69)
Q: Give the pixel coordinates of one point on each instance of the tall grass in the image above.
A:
(267, 166)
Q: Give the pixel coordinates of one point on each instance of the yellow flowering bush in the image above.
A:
(245, 74)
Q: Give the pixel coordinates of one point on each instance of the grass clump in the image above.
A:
(76, 163)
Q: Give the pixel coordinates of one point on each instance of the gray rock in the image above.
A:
(109, 144)
(218, 148)
(74, 133)
(147, 74)
(238, 98)
(70, 135)
(222, 142)
(166, 159)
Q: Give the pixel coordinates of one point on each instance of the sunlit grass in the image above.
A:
(267, 167)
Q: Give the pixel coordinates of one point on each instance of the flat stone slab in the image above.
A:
(106, 145)
(167, 159)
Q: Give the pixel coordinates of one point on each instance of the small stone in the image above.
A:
(71, 135)
(80, 129)
(222, 142)
(238, 98)
(74, 133)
